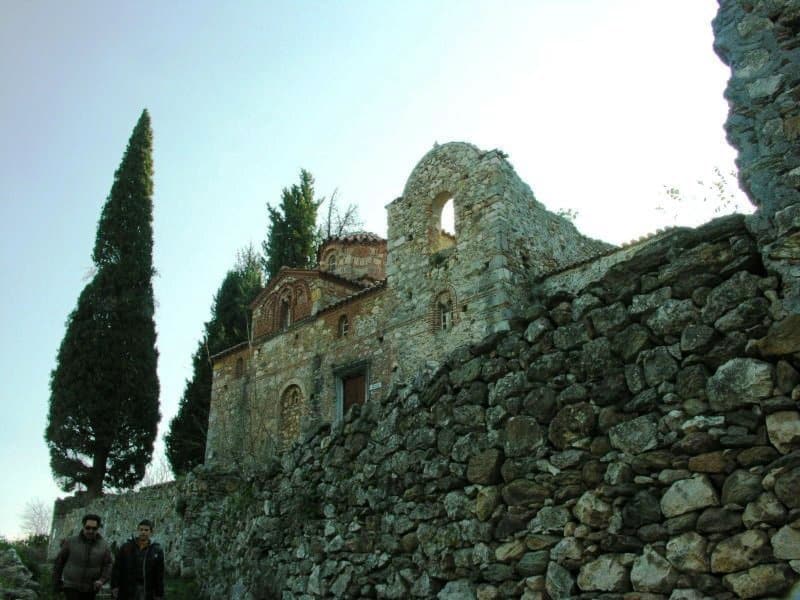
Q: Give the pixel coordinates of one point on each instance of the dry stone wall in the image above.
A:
(635, 437)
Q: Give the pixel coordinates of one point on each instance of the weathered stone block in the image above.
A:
(634, 436)
(672, 317)
(573, 422)
(659, 365)
(783, 428)
(484, 468)
(741, 552)
(760, 581)
(523, 436)
(559, 582)
(524, 491)
(651, 572)
(688, 495)
(592, 510)
(741, 487)
(687, 553)
(604, 574)
(764, 509)
(787, 487)
(739, 382)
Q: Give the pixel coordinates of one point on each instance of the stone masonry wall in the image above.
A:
(636, 437)
(503, 236)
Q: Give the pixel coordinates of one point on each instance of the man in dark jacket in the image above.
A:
(83, 563)
(138, 572)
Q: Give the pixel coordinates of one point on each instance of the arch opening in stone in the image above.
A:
(286, 314)
(291, 407)
(443, 222)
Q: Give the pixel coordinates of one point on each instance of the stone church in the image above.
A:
(375, 311)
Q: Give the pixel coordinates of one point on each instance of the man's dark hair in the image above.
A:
(91, 517)
(146, 523)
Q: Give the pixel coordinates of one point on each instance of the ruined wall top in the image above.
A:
(759, 41)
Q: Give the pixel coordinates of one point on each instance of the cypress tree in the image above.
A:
(292, 236)
(104, 412)
(229, 325)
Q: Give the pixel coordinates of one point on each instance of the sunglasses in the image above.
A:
(90, 528)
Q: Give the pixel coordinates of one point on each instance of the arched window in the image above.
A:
(443, 313)
(443, 222)
(332, 262)
(447, 218)
(291, 414)
(286, 314)
(344, 326)
(239, 367)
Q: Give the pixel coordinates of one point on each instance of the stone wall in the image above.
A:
(503, 237)
(638, 434)
(759, 41)
(630, 429)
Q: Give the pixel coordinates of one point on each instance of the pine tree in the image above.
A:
(292, 237)
(104, 411)
(229, 325)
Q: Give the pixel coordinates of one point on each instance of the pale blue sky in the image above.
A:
(598, 103)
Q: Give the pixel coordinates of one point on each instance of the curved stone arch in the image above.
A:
(439, 177)
(442, 169)
(292, 407)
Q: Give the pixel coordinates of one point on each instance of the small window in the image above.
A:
(445, 309)
(344, 326)
(292, 410)
(332, 262)
(447, 218)
(442, 227)
(443, 317)
(239, 367)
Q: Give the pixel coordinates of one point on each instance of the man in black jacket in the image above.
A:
(138, 572)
